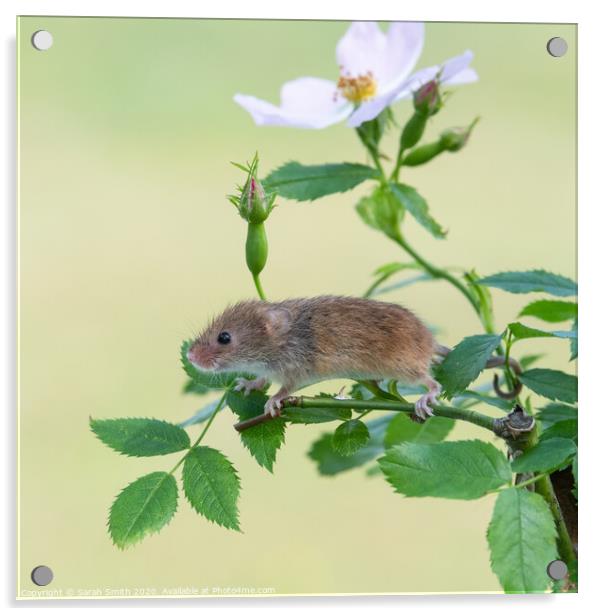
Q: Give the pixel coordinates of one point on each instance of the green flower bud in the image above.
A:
(256, 248)
(251, 201)
(454, 139)
(427, 99)
(413, 130)
(423, 153)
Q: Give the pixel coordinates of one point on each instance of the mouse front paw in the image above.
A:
(247, 386)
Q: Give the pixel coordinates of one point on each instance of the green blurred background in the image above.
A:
(128, 245)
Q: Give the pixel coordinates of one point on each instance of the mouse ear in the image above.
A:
(278, 320)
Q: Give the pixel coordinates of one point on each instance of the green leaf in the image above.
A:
(264, 440)
(520, 332)
(567, 428)
(522, 541)
(418, 208)
(350, 436)
(145, 506)
(332, 463)
(207, 380)
(246, 406)
(458, 469)
(528, 360)
(212, 486)
(402, 428)
(547, 455)
(192, 387)
(555, 411)
(465, 362)
(499, 403)
(308, 182)
(201, 416)
(574, 342)
(381, 211)
(140, 437)
(315, 415)
(550, 310)
(533, 281)
(552, 384)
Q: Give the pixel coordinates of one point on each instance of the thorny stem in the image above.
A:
(218, 408)
(439, 410)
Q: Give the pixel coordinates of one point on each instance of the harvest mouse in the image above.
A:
(298, 342)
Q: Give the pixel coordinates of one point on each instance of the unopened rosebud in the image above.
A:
(454, 139)
(253, 200)
(427, 99)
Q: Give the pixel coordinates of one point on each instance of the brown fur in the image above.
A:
(301, 341)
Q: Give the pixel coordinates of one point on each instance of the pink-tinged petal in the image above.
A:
(307, 102)
(362, 50)
(404, 46)
(468, 75)
(455, 65)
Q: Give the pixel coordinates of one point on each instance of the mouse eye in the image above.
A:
(224, 338)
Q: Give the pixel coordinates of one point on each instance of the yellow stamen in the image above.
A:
(357, 89)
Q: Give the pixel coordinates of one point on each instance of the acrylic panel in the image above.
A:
(420, 175)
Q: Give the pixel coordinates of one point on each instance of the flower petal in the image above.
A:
(307, 102)
(404, 46)
(455, 65)
(362, 50)
(468, 75)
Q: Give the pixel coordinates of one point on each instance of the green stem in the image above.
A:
(439, 410)
(544, 487)
(258, 286)
(398, 164)
(218, 408)
(439, 273)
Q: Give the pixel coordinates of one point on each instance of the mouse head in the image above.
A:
(245, 337)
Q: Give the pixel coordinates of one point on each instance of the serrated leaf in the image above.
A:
(315, 415)
(264, 440)
(555, 411)
(458, 469)
(308, 182)
(381, 211)
(201, 416)
(547, 455)
(552, 384)
(567, 428)
(522, 541)
(140, 437)
(465, 362)
(246, 406)
(415, 204)
(206, 380)
(145, 506)
(533, 281)
(212, 486)
(550, 310)
(402, 428)
(332, 463)
(520, 332)
(350, 436)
